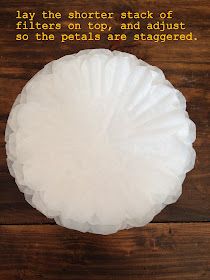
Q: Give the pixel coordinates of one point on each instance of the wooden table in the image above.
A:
(176, 245)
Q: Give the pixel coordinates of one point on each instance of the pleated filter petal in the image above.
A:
(100, 141)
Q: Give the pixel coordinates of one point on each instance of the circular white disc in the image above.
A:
(100, 141)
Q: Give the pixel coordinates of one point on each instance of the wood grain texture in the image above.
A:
(31, 246)
(157, 251)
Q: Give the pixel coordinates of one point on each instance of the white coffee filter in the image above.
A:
(100, 141)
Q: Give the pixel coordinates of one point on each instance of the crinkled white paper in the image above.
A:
(100, 141)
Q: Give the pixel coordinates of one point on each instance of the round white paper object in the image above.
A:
(100, 141)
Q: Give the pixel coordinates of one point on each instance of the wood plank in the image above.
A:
(26, 55)
(157, 251)
(193, 205)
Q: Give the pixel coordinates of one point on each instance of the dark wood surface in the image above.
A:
(176, 244)
(157, 251)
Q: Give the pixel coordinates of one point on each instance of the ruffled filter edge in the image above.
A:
(36, 199)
